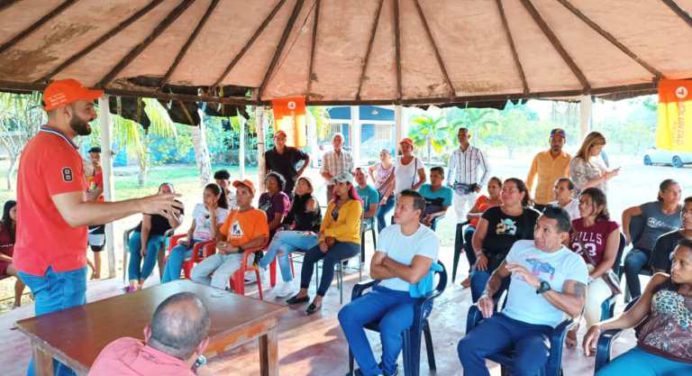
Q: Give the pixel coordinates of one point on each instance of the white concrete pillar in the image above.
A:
(355, 134)
(259, 119)
(241, 148)
(108, 182)
(585, 114)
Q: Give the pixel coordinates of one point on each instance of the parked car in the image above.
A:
(676, 159)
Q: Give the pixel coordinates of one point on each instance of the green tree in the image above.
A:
(430, 132)
(21, 116)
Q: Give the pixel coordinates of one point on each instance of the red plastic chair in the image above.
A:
(237, 280)
(200, 251)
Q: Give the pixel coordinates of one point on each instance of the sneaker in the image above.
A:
(283, 290)
(250, 278)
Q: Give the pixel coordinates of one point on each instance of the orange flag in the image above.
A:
(290, 117)
(674, 129)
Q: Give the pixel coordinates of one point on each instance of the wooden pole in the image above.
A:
(241, 149)
(259, 118)
(108, 182)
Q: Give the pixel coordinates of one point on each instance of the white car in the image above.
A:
(666, 157)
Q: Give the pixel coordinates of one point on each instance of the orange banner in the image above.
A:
(674, 130)
(290, 117)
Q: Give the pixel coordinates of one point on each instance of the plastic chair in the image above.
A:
(412, 336)
(637, 225)
(237, 280)
(608, 305)
(605, 342)
(458, 248)
(553, 366)
(126, 250)
(200, 251)
(367, 226)
(339, 274)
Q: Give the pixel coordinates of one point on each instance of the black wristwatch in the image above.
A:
(545, 286)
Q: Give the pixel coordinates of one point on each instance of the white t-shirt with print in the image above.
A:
(402, 249)
(203, 221)
(523, 304)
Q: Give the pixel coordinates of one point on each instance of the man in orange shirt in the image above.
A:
(549, 166)
(52, 207)
(97, 234)
(245, 227)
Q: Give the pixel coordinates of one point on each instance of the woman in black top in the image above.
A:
(8, 227)
(146, 241)
(498, 229)
(302, 227)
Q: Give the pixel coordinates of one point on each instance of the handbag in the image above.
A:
(609, 277)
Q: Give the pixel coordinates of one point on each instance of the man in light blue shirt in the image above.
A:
(405, 253)
(548, 281)
(370, 197)
(438, 198)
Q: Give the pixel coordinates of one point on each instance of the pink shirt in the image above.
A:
(591, 239)
(131, 357)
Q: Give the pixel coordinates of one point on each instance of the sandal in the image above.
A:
(297, 300)
(466, 283)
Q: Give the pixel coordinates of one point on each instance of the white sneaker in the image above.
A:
(250, 278)
(283, 290)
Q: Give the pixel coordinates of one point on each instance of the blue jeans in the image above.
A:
(394, 310)
(382, 210)
(479, 279)
(283, 244)
(339, 251)
(638, 362)
(635, 261)
(136, 270)
(174, 264)
(500, 333)
(56, 291)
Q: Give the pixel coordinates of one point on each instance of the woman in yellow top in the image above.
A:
(339, 239)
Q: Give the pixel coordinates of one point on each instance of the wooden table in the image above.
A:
(77, 335)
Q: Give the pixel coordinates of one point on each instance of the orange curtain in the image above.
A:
(290, 117)
(674, 129)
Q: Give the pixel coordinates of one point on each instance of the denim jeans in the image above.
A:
(339, 251)
(217, 269)
(56, 291)
(283, 244)
(635, 261)
(179, 253)
(479, 279)
(382, 210)
(137, 270)
(500, 333)
(394, 310)
(638, 362)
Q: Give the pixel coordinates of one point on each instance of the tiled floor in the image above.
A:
(309, 345)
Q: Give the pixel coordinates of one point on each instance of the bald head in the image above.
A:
(179, 325)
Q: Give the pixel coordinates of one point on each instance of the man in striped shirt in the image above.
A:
(464, 166)
(335, 162)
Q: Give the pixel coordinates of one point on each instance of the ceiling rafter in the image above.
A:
(36, 25)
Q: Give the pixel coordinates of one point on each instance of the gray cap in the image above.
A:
(344, 177)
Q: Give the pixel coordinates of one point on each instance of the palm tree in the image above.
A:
(134, 137)
(21, 116)
(430, 132)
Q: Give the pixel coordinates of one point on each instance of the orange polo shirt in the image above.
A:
(548, 170)
(241, 227)
(50, 165)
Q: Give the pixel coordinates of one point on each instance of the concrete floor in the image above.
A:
(311, 345)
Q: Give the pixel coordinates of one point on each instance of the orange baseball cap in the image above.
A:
(407, 141)
(63, 92)
(246, 183)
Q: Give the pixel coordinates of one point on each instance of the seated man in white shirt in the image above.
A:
(404, 256)
(548, 281)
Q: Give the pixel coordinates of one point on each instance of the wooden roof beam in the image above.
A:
(134, 52)
(438, 56)
(512, 46)
(373, 31)
(556, 44)
(679, 11)
(313, 43)
(40, 22)
(397, 49)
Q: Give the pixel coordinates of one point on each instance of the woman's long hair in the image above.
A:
(521, 187)
(216, 190)
(598, 198)
(590, 140)
(6, 220)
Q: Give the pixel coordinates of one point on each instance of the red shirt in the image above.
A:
(96, 181)
(482, 204)
(592, 239)
(130, 357)
(49, 165)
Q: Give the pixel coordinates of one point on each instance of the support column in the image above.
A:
(585, 107)
(108, 183)
(399, 132)
(355, 135)
(259, 125)
(241, 148)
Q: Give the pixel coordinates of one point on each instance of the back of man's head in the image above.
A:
(179, 325)
(564, 224)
